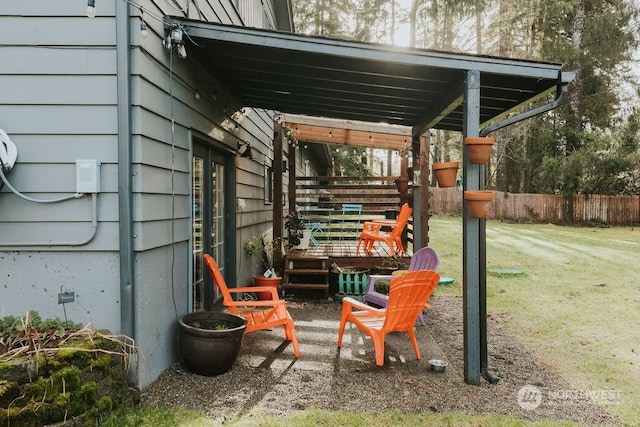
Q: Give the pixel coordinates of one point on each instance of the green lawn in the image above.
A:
(577, 304)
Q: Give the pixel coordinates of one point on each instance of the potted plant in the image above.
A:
(210, 341)
(298, 235)
(382, 286)
(389, 265)
(261, 247)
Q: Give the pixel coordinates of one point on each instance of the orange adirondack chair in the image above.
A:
(260, 315)
(371, 233)
(407, 296)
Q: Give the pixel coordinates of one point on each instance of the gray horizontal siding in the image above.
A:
(54, 8)
(58, 119)
(41, 60)
(44, 31)
(54, 90)
(57, 238)
(21, 212)
(60, 148)
(154, 234)
(154, 207)
(56, 178)
(154, 180)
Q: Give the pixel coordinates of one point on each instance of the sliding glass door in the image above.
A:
(209, 227)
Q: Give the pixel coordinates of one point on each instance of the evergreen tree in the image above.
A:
(583, 146)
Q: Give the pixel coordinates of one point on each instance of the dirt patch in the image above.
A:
(267, 378)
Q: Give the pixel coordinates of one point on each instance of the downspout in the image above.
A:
(561, 97)
(125, 196)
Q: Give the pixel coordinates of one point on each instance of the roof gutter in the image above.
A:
(561, 96)
(125, 196)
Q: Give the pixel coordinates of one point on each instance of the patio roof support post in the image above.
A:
(278, 197)
(472, 235)
(423, 179)
(416, 195)
(291, 194)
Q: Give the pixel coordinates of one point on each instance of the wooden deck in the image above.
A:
(343, 253)
(312, 269)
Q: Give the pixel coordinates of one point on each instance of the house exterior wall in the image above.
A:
(59, 104)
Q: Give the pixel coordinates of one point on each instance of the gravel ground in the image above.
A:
(268, 379)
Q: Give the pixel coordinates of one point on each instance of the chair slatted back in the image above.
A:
(219, 281)
(424, 259)
(408, 295)
(401, 223)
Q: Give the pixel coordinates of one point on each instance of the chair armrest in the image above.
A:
(259, 303)
(371, 227)
(267, 289)
(363, 307)
(385, 222)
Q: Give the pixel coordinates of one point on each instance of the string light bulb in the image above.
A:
(91, 8)
(331, 133)
(182, 51)
(143, 26)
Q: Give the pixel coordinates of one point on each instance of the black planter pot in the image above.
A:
(210, 351)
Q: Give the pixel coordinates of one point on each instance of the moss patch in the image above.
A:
(76, 374)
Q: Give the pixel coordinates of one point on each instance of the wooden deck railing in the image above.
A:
(378, 196)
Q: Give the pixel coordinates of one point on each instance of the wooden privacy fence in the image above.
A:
(611, 210)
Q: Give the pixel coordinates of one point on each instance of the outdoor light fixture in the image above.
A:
(91, 8)
(247, 152)
(174, 40)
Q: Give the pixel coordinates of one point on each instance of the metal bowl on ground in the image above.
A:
(438, 365)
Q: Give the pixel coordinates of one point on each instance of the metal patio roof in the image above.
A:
(341, 79)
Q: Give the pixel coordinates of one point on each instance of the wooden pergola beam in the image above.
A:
(348, 132)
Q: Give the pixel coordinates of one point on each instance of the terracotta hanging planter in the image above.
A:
(402, 184)
(446, 173)
(479, 149)
(478, 202)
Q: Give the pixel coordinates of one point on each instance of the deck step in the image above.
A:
(306, 272)
(321, 286)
